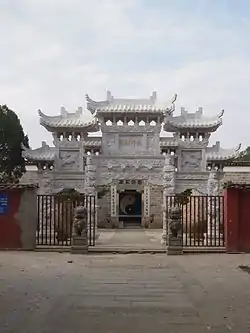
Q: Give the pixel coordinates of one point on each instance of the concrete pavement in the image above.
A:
(60, 292)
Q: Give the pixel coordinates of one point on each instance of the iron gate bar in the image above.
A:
(202, 220)
(55, 217)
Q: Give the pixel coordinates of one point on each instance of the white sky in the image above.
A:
(55, 51)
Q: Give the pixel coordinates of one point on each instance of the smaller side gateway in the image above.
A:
(144, 153)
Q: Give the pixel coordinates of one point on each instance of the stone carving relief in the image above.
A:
(132, 129)
(213, 183)
(168, 176)
(146, 169)
(69, 160)
(189, 176)
(153, 142)
(90, 175)
(191, 160)
(110, 140)
(136, 164)
(193, 144)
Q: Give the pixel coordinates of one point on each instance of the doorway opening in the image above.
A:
(130, 204)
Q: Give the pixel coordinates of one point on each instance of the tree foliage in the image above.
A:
(183, 197)
(12, 164)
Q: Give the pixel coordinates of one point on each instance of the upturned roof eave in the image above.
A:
(55, 128)
(214, 158)
(39, 159)
(188, 128)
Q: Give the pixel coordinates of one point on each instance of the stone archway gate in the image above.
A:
(55, 218)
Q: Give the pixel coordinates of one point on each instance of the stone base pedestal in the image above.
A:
(79, 245)
(175, 245)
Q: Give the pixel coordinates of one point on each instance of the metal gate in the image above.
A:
(202, 220)
(55, 218)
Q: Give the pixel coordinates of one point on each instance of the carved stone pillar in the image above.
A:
(90, 176)
(90, 189)
(168, 189)
(213, 236)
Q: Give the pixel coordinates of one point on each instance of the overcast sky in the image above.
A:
(55, 51)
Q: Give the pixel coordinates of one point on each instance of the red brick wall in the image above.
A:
(244, 221)
(10, 231)
(237, 220)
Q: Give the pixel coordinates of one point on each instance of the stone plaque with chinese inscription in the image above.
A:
(131, 143)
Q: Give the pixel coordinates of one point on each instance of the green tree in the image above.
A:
(12, 164)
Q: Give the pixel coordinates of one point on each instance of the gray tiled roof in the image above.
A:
(216, 153)
(192, 120)
(44, 153)
(131, 108)
(47, 153)
(93, 142)
(141, 105)
(68, 120)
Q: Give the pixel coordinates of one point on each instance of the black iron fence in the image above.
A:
(55, 218)
(202, 220)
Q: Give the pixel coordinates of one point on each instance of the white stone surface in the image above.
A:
(130, 149)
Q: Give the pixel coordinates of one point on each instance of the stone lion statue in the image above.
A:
(79, 226)
(175, 221)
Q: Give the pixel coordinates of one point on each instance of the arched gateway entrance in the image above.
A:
(130, 208)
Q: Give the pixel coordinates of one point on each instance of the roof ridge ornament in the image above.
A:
(217, 153)
(237, 149)
(200, 110)
(170, 109)
(220, 115)
(183, 111)
(79, 111)
(153, 97)
(64, 113)
(93, 105)
(109, 96)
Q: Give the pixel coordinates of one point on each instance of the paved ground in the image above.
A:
(130, 238)
(59, 292)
